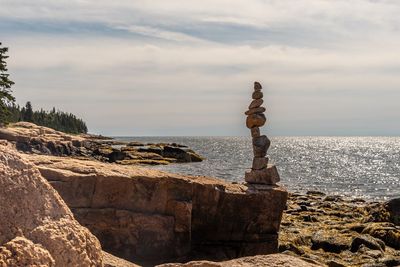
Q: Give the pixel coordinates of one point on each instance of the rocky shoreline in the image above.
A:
(339, 231)
(150, 217)
(30, 138)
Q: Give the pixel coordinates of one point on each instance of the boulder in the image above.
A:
(393, 207)
(387, 232)
(32, 209)
(367, 241)
(329, 242)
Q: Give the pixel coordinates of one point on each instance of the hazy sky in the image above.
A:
(131, 67)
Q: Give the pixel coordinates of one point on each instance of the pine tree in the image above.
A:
(6, 98)
(28, 115)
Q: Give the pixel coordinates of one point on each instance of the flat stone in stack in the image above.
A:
(261, 172)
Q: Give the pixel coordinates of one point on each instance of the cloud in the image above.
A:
(187, 66)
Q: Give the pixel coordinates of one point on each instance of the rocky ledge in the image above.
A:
(149, 217)
(336, 231)
(30, 138)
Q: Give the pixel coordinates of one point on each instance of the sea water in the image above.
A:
(367, 167)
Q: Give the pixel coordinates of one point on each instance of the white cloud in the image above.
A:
(311, 55)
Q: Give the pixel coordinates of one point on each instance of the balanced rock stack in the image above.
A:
(261, 172)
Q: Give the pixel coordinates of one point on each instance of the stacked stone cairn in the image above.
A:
(261, 172)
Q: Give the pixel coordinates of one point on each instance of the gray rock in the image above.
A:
(259, 163)
(368, 241)
(267, 175)
(260, 146)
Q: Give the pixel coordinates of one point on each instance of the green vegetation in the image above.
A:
(9, 112)
(6, 98)
(56, 119)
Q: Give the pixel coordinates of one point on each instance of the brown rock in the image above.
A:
(141, 214)
(255, 132)
(259, 163)
(255, 110)
(255, 120)
(31, 207)
(267, 176)
(257, 95)
(257, 86)
(23, 252)
(273, 260)
(256, 103)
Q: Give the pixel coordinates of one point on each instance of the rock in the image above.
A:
(267, 176)
(259, 163)
(260, 146)
(255, 132)
(30, 207)
(257, 86)
(142, 215)
(329, 242)
(257, 95)
(273, 260)
(255, 120)
(333, 263)
(368, 241)
(393, 207)
(135, 143)
(255, 110)
(113, 261)
(386, 232)
(256, 103)
(23, 252)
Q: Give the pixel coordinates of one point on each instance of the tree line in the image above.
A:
(56, 119)
(10, 112)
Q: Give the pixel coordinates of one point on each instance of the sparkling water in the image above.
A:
(367, 167)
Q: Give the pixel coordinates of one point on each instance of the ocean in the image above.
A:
(365, 167)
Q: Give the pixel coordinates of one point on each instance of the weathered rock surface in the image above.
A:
(31, 138)
(273, 260)
(141, 215)
(339, 232)
(36, 227)
(23, 252)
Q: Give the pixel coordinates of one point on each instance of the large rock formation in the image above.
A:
(143, 215)
(36, 227)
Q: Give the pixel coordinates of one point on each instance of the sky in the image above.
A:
(183, 67)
